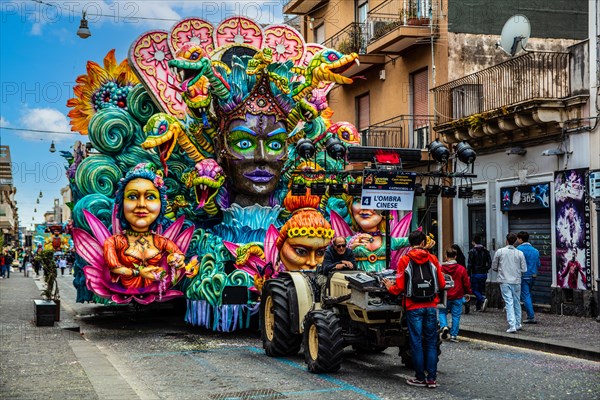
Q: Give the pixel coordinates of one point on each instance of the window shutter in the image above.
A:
(420, 93)
(363, 112)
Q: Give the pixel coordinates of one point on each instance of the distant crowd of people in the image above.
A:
(27, 262)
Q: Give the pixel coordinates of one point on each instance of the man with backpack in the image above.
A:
(420, 278)
(478, 265)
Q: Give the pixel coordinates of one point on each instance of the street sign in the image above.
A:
(388, 190)
(595, 184)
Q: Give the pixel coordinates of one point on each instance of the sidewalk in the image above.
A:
(50, 362)
(572, 336)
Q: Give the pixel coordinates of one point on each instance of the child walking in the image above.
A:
(456, 295)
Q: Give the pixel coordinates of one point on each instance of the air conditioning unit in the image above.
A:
(382, 74)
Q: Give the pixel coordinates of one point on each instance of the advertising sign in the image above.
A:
(525, 197)
(388, 190)
(573, 240)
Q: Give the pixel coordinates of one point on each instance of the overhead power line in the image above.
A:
(35, 130)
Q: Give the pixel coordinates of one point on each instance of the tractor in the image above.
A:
(354, 310)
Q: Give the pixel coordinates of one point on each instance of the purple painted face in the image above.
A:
(257, 151)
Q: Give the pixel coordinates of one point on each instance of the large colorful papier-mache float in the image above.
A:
(186, 187)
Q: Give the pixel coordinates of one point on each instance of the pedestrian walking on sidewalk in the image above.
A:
(478, 265)
(7, 264)
(62, 264)
(455, 295)
(420, 277)
(532, 259)
(510, 265)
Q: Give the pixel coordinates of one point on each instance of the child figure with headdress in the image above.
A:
(304, 238)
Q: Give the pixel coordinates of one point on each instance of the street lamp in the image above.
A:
(84, 31)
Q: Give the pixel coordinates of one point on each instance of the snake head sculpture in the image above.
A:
(193, 68)
(325, 66)
(346, 132)
(206, 178)
(162, 131)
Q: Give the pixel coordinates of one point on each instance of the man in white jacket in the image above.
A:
(510, 265)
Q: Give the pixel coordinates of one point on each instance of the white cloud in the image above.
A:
(153, 14)
(46, 119)
(36, 29)
(4, 122)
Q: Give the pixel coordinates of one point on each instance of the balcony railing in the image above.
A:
(352, 39)
(406, 131)
(392, 14)
(530, 76)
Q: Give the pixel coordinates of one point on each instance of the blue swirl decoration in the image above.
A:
(140, 105)
(112, 129)
(98, 174)
(98, 204)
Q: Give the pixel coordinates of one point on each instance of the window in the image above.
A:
(420, 108)
(421, 137)
(363, 113)
(319, 33)
(362, 9)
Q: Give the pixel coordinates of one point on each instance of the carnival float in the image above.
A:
(196, 183)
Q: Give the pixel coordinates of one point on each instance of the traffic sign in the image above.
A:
(388, 190)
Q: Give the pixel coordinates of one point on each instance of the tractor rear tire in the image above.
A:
(323, 341)
(277, 336)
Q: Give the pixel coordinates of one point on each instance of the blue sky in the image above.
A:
(40, 58)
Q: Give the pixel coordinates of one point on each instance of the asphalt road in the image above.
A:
(160, 357)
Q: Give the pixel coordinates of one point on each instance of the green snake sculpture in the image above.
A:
(325, 66)
(259, 64)
(163, 131)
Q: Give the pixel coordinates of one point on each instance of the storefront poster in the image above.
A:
(572, 214)
(525, 197)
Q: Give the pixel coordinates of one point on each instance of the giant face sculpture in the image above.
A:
(141, 204)
(303, 252)
(255, 151)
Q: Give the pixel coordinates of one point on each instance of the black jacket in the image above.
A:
(332, 258)
(479, 261)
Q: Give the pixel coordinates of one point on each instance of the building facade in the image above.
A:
(9, 217)
(432, 69)
(528, 117)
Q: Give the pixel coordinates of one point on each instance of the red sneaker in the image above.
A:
(416, 382)
(431, 384)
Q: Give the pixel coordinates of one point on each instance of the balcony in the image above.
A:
(353, 39)
(524, 99)
(301, 7)
(402, 131)
(396, 25)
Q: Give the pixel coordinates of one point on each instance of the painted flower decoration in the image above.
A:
(100, 88)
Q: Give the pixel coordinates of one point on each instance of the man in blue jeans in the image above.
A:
(478, 265)
(532, 259)
(510, 265)
(421, 314)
